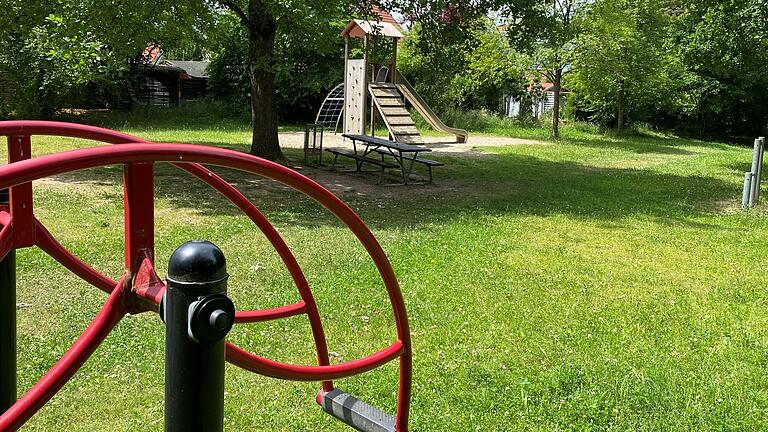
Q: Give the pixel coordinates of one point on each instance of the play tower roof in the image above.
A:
(360, 28)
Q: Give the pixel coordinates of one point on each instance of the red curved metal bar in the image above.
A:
(44, 166)
(38, 127)
(45, 241)
(271, 368)
(271, 314)
(282, 249)
(74, 130)
(6, 234)
(109, 315)
(181, 154)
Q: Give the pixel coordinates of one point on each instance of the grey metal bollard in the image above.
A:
(747, 190)
(753, 170)
(759, 177)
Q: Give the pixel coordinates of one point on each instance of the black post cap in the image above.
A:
(197, 262)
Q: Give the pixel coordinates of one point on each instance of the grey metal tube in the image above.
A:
(759, 177)
(747, 190)
(753, 170)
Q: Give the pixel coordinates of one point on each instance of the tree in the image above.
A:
(546, 30)
(261, 20)
(52, 48)
(619, 63)
(469, 74)
(308, 63)
(430, 58)
(723, 48)
(492, 70)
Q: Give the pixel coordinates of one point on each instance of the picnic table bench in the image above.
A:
(359, 159)
(404, 155)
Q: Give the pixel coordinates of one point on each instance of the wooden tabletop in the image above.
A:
(381, 142)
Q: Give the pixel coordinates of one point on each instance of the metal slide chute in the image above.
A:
(418, 103)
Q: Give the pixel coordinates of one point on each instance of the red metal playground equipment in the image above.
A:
(140, 289)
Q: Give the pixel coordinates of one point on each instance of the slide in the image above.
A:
(407, 90)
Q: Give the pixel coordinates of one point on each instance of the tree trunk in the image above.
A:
(621, 104)
(526, 108)
(557, 81)
(261, 47)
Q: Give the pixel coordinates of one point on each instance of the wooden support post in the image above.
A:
(374, 70)
(365, 61)
(346, 89)
(393, 71)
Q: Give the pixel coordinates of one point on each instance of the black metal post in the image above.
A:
(198, 315)
(7, 324)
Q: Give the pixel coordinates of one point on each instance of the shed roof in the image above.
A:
(360, 28)
(195, 69)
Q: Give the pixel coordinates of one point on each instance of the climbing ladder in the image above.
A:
(391, 106)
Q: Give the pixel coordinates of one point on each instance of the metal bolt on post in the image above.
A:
(198, 315)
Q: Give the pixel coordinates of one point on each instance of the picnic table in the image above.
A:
(403, 156)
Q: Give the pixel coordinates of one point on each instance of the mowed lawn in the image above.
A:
(596, 283)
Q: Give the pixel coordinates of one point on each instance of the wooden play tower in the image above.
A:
(388, 91)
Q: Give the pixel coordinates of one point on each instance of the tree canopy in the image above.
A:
(620, 66)
(697, 65)
(51, 48)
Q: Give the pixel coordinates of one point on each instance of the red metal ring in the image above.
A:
(29, 170)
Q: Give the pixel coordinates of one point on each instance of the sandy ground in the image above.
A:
(437, 144)
(365, 184)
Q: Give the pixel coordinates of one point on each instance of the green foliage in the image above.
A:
(308, 62)
(620, 61)
(429, 67)
(723, 47)
(56, 52)
(46, 57)
(544, 28)
(492, 71)
(472, 75)
(228, 80)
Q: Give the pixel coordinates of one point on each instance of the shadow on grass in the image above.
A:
(741, 167)
(466, 186)
(640, 145)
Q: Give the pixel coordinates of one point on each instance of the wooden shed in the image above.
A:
(173, 83)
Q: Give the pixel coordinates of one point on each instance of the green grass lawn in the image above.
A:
(595, 283)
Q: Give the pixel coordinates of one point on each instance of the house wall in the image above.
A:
(511, 106)
(543, 105)
(193, 89)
